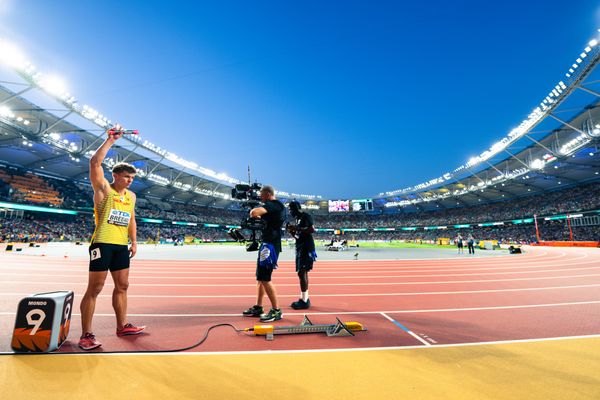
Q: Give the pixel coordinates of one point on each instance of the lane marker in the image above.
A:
(405, 329)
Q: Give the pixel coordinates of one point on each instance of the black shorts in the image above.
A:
(304, 262)
(263, 274)
(104, 257)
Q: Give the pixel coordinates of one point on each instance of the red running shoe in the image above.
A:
(130, 329)
(88, 341)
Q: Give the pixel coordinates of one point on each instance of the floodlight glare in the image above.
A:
(53, 85)
(6, 112)
(537, 164)
(11, 56)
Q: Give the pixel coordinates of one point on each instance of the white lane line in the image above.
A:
(349, 349)
(321, 274)
(173, 296)
(139, 276)
(418, 311)
(322, 271)
(405, 329)
(318, 284)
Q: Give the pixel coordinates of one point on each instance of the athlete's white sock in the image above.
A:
(304, 296)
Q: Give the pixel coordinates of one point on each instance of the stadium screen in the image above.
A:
(362, 205)
(339, 205)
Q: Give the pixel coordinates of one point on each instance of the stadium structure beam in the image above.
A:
(130, 153)
(540, 144)
(91, 145)
(517, 158)
(179, 174)
(590, 91)
(58, 121)
(15, 95)
(569, 125)
(158, 164)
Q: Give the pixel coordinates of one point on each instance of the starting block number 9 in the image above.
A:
(36, 323)
(67, 311)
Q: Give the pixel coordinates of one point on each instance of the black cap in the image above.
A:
(294, 206)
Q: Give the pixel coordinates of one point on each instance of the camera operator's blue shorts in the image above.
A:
(266, 263)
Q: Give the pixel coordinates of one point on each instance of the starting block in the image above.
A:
(338, 329)
(42, 323)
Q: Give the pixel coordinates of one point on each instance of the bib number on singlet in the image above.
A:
(119, 218)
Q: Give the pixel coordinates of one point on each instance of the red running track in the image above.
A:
(544, 293)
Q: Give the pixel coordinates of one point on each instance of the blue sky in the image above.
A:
(344, 99)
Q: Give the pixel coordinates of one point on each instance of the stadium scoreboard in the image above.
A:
(350, 205)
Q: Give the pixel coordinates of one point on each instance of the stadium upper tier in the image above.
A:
(19, 188)
(555, 146)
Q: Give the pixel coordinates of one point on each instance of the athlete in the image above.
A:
(115, 229)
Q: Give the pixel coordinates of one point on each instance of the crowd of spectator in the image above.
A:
(41, 227)
(577, 199)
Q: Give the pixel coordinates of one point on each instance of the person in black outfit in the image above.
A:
(305, 251)
(273, 212)
(471, 244)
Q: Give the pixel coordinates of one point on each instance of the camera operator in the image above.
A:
(305, 251)
(273, 213)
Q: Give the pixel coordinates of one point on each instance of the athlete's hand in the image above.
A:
(114, 134)
(132, 249)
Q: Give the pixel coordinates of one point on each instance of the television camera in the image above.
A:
(250, 196)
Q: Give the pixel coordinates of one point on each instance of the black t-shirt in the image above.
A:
(305, 240)
(275, 218)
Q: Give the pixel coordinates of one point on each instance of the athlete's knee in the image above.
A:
(122, 286)
(95, 289)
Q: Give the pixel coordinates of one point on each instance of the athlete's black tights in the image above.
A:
(303, 275)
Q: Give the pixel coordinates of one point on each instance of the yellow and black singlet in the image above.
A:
(113, 216)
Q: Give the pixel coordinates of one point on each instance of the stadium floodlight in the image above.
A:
(6, 112)
(11, 56)
(161, 180)
(593, 42)
(537, 164)
(53, 85)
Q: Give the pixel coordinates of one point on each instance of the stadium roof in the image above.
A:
(554, 147)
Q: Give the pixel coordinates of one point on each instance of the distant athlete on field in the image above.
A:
(459, 243)
(114, 215)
